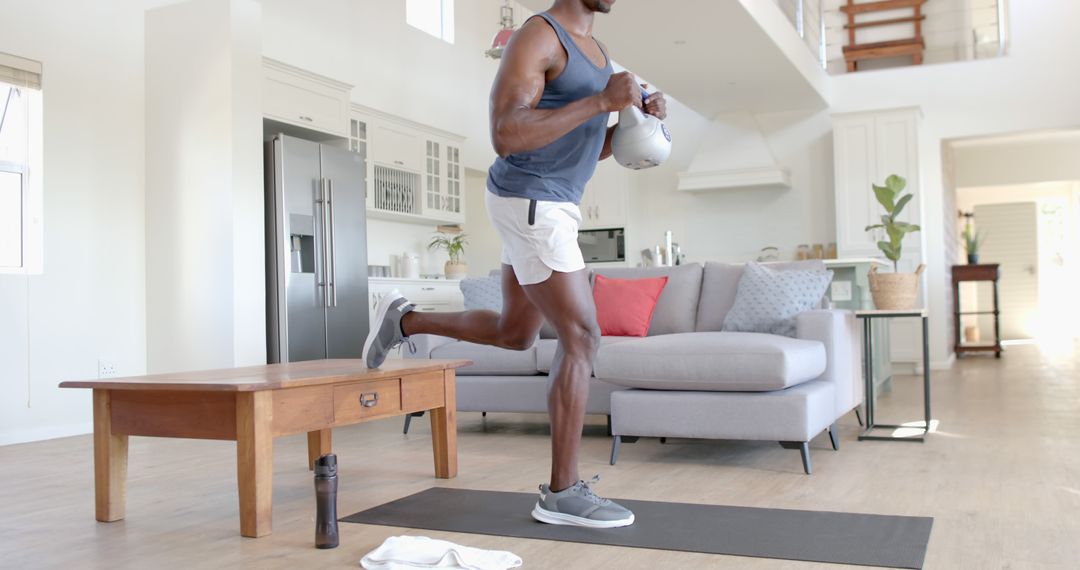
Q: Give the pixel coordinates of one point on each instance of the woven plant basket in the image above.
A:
(894, 291)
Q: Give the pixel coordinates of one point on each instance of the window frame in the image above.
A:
(446, 21)
(31, 196)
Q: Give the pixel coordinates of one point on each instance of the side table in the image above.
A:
(984, 272)
(867, 317)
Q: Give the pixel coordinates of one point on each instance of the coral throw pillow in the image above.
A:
(624, 307)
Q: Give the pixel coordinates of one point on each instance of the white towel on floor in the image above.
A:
(407, 552)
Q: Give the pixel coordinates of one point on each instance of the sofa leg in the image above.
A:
(663, 440)
(615, 448)
(858, 417)
(408, 421)
(804, 450)
(630, 438)
(609, 425)
(833, 439)
(483, 414)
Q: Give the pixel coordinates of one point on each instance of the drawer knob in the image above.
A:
(369, 399)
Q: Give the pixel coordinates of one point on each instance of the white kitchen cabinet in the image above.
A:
(443, 198)
(297, 97)
(604, 204)
(396, 146)
(415, 172)
(429, 295)
(867, 148)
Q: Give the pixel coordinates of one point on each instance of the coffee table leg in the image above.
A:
(254, 462)
(110, 461)
(318, 444)
(444, 430)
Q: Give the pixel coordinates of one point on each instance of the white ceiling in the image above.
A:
(727, 63)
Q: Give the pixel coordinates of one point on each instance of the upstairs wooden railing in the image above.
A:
(855, 52)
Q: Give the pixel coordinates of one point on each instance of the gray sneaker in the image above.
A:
(386, 332)
(579, 506)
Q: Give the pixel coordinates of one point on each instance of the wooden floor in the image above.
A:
(1001, 477)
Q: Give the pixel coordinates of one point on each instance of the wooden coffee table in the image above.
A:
(252, 406)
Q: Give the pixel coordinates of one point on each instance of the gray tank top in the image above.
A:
(558, 171)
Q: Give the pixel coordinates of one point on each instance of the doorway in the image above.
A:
(1021, 193)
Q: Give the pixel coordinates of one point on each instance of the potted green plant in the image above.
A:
(454, 245)
(972, 240)
(893, 291)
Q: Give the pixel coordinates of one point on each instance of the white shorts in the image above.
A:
(537, 239)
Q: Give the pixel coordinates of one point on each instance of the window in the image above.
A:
(20, 165)
(435, 17)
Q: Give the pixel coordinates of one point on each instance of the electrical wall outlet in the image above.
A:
(841, 291)
(106, 368)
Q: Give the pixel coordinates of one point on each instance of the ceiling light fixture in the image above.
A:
(502, 37)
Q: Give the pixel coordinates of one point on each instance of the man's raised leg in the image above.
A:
(514, 328)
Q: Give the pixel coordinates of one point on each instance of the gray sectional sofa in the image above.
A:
(686, 378)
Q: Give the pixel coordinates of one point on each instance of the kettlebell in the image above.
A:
(640, 140)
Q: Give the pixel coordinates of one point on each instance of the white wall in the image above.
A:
(204, 197)
(1035, 87)
(734, 224)
(89, 301)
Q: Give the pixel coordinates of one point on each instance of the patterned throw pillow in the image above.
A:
(767, 300)
(482, 293)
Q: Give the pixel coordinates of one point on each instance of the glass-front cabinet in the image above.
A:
(443, 182)
(414, 171)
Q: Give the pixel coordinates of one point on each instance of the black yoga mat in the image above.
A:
(815, 536)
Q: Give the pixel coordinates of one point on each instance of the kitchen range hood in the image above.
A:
(733, 154)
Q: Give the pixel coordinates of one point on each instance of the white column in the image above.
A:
(204, 197)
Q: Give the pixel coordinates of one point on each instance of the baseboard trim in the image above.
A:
(943, 364)
(15, 436)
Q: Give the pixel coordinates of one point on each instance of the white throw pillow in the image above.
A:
(767, 300)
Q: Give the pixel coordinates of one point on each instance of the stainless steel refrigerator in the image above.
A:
(316, 251)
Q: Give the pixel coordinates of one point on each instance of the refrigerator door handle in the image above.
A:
(333, 246)
(325, 253)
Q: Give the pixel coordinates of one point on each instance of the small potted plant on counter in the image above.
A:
(454, 245)
(893, 291)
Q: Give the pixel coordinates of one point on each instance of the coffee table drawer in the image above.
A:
(365, 400)
(422, 392)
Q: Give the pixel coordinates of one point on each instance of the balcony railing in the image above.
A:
(954, 30)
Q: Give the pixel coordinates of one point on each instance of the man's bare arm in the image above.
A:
(516, 124)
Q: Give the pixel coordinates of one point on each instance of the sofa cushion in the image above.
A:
(676, 310)
(711, 361)
(768, 299)
(720, 283)
(489, 360)
(545, 350)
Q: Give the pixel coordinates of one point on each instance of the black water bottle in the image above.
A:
(326, 531)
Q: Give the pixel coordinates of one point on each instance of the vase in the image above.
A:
(457, 270)
(894, 291)
(973, 259)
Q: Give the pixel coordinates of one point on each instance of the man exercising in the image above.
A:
(549, 111)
